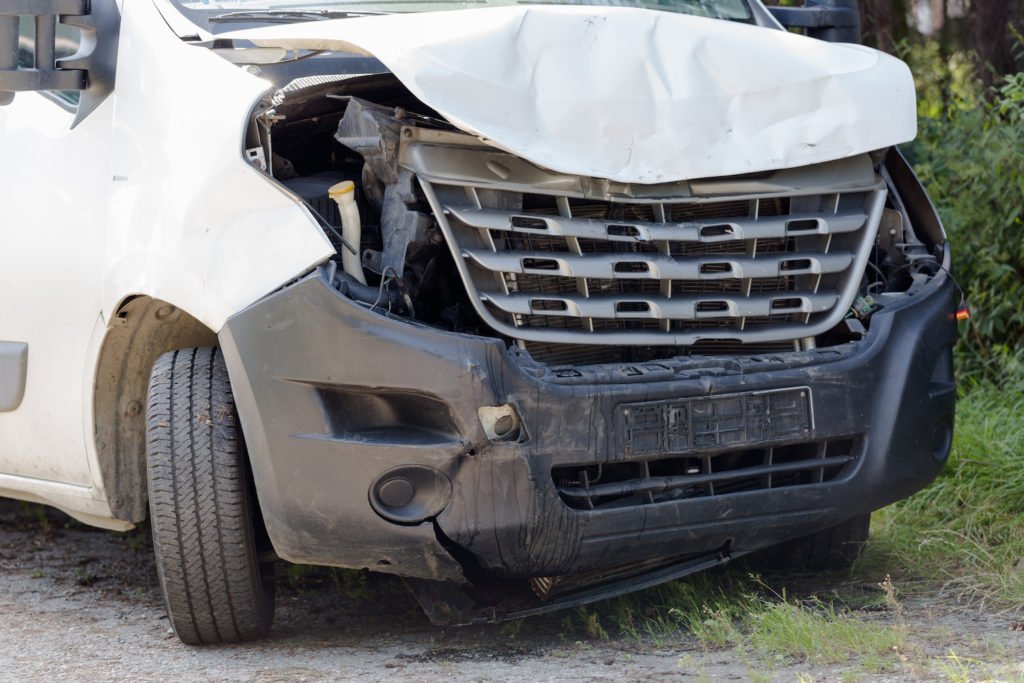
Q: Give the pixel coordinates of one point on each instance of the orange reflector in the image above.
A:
(963, 313)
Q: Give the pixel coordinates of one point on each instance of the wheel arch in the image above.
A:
(141, 329)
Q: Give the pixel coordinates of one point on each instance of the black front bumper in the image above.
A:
(333, 396)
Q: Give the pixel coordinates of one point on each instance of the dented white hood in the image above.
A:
(633, 95)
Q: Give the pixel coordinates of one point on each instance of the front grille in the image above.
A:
(663, 480)
(555, 259)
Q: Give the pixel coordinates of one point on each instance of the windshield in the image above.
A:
(735, 10)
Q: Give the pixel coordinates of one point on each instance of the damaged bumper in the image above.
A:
(387, 445)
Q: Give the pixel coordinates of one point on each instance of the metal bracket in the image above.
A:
(835, 21)
(46, 75)
(91, 70)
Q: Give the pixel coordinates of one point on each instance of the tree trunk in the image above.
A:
(991, 33)
(883, 22)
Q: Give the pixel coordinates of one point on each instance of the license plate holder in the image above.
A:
(710, 423)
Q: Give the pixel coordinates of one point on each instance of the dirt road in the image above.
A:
(82, 604)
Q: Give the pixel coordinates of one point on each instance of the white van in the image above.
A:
(530, 304)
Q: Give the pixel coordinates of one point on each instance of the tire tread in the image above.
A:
(200, 511)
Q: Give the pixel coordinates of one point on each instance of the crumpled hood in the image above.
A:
(632, 95)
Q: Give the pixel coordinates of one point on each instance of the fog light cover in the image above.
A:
(410, 494)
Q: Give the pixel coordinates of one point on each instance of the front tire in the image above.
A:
(200, 503)
(829, 550)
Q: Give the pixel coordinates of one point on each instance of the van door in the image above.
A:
(55, 181)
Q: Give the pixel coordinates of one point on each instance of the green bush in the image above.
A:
(969, 153)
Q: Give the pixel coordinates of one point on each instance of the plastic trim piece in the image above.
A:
(13, 373)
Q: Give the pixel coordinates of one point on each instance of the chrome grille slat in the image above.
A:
(660, 267)
(742, 228)
(659, 308)
(552, 259)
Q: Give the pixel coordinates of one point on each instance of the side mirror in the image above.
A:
(836, 21)
(90, 70)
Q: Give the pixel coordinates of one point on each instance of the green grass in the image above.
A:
(738, 611)
(966, 530)
(789, 630)
(964, 534)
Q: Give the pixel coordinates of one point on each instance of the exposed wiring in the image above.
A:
(879, 271)
(384, 281)
(387, 277)
(963, 295)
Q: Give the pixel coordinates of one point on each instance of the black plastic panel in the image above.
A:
(716, 422)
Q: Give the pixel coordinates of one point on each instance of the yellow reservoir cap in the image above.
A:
(342, 188)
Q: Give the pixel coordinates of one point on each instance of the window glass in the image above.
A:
(735, 10)
(68, 40)
(26, 43)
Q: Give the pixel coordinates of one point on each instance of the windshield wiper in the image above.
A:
(288, 16)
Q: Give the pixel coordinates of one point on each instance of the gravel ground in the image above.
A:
(83, 604)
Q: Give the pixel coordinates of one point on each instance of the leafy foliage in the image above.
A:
(970, 155)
